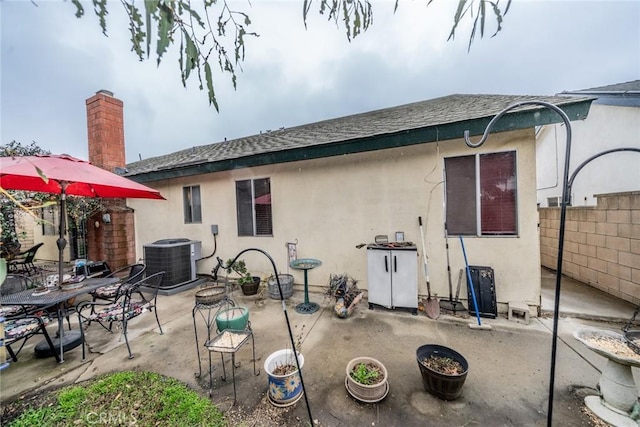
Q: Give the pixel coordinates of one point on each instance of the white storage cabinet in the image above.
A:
(393, 277)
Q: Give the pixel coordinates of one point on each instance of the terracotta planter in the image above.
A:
(284, 390)
(444, 386)
(365, 392)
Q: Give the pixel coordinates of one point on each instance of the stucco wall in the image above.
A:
(331, 205)
(606, 127)
(33, 234)
(602, 243)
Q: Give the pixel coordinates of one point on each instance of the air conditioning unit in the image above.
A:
(176, 257)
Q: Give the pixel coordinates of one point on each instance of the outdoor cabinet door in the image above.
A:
(379, 277)
(404, 278)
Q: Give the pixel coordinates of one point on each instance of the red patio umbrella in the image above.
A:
(63, 174)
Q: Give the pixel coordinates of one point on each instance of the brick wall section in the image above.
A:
(113, 242)
(601, 246)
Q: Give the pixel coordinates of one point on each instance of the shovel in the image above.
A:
(431, 306)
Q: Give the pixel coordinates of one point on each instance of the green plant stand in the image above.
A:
(306, 264)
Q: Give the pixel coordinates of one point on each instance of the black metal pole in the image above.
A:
(563, 212)
(284, 309)
(595, 156)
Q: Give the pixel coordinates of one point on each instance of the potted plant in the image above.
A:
(367, 379)
(443, 370)
(285, 386)
(248, 283)
(285, 383)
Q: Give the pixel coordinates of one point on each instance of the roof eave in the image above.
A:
(516, 120)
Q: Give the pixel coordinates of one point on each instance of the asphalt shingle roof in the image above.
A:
(389, 121)
(632, 86)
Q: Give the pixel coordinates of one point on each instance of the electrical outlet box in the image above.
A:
(214, 229)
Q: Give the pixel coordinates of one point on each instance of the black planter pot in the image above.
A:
(251, 288)
(446, 387)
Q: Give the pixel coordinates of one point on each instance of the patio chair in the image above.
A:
(126, 275)
(23, 262)
(9, 249)
(23, 327)
(132, 300)
(16, 283)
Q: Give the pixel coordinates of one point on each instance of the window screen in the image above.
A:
(460, 174)
(253, 207)
(498, 193)
(481, 195)
(192, 204)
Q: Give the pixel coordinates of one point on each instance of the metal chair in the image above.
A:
(16, 283)
(127, 275)
(22, 327)
(131, 301)
(23, 262)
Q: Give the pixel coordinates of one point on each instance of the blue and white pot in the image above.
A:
(284, 390)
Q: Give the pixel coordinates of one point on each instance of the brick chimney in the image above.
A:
(105, 127)
(114, 240)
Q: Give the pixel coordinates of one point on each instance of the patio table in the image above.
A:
(57, 297)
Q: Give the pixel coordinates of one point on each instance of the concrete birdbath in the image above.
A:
(306, 264)
(618, 399)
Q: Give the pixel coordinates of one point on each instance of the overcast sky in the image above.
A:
(52, 62)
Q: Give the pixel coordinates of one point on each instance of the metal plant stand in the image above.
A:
(230, 341)
(306, 264)
(208, 312)
(221, 264)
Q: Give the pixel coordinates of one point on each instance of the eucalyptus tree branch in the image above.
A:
(201, 40)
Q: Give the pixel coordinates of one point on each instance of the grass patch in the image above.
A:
(122, 398)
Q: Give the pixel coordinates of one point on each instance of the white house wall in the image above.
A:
(330, 205)
(606, 127)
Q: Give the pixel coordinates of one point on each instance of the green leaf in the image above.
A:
(210, 91)
(193, 14)
(499, 14)
(42, 175)
(135, 28)
(457, 17)
(100, 7)
(151, 9)
(473, 32)
(482, 16)
(79, 8)
(165, 27)
(191, 52)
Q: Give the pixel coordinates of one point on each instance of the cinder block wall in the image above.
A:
(601, 246)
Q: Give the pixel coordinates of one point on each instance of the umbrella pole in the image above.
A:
(61, 243)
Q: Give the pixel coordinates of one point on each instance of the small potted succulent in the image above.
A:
(248, 283)
(367, 379)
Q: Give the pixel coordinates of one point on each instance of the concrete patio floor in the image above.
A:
(507, 383)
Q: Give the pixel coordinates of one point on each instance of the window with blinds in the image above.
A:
(192, 204)
(253, 207)
(481, 195)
